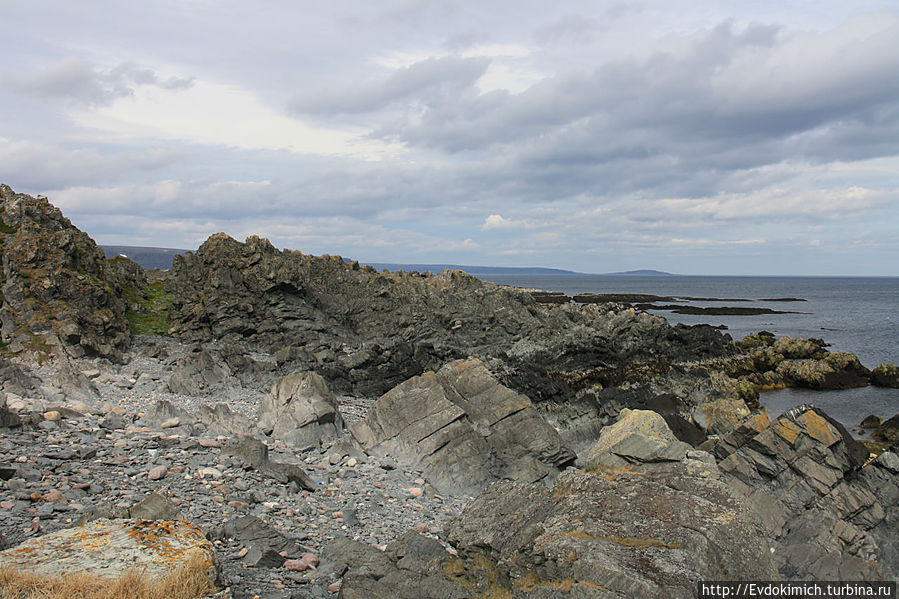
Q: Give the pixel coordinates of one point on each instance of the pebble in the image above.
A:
(157, 473)
(170, 423)
(415, 491)
(52, 415)
(365, 499)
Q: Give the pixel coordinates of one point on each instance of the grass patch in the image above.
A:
(189, 581)
(152, 314)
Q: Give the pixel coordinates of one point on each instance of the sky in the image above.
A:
(696, 137)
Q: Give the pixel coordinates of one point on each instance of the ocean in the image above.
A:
(854, 314)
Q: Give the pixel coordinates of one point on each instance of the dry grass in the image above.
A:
(189, 581)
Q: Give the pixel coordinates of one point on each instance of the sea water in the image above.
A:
(854, 314)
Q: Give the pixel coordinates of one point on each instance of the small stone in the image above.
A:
(334, 459)
(54, 496)
(415, 491)
(35, 497)
(334, 587)
(419, 481)
(52, 415)
(351, 462)
(207, 443)
(239, 505)
(242, 552)
(296, 565)
(7, 505)
(421, 529)
(336, 515)
(209, 472)
(171, 422)
(310, 559)
(157, 473)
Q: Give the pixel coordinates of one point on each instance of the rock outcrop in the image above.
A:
(827, 512)
(58, 285)
(366, 331)
(463, 429)
(300, 410)
(837, 370)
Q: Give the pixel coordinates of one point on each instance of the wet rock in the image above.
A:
(300, 409)
(885, 375)
(839, 370)
(888, 431)
(871, 421)
(463, 429)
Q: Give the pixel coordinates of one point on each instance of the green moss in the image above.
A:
(148, 309)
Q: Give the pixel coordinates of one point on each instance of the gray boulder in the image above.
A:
(199, 373)
(639, 437)
(463, 429)
(254, 454)
(300, 409)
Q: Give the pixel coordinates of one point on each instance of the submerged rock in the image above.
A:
(463, 429)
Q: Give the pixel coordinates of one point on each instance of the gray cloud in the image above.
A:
(433, 82)
(76, 80)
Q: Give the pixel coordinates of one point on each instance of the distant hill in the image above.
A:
(148, 258)
(161, 258)
(644, 273)
(473, 270)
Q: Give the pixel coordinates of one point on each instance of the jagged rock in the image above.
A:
(107, 548)
(300, 409)
(639, 437)
(166, 415)
(57, 284)
(221, 420)
(14, 380)
(838, 370)
(367, 331)
(885, 375)
(826, 511)
(800, 349)
(254, 453)
(463, 429)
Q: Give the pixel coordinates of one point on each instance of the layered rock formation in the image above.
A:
(300, 409)
(463, 429)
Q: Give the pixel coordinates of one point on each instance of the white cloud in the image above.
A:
(227, 115)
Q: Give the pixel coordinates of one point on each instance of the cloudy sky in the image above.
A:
(698, 137)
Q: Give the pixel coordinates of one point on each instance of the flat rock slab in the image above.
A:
(108, 548)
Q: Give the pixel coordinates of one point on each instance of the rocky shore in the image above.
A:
(330, 430)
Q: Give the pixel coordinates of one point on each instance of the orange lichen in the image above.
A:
(818, 428)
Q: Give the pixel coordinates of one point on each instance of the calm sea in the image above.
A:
(854, 314)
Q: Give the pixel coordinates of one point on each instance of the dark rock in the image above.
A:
(254, 453)
(258, 557)
(885, 375)
(838, 370)
(7, 418)
(300, 409)
(74, 294)
(888, 432)
(871, 421)
(462, 428)
(250, 531)
(366, 332)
